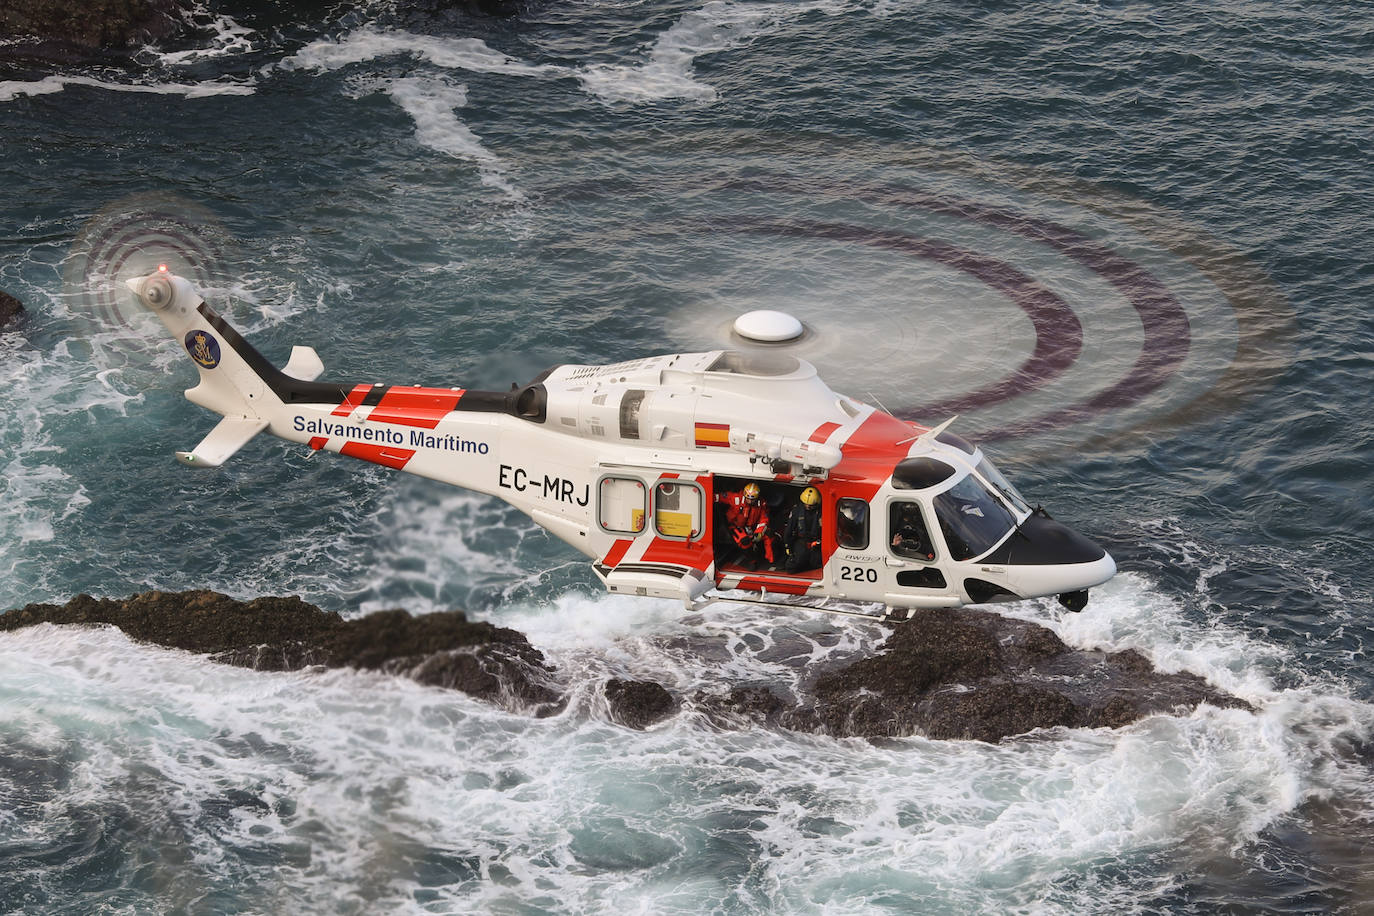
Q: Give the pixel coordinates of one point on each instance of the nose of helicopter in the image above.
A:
(1043, 541)
(1046, 557)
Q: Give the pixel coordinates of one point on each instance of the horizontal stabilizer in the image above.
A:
(228, 437)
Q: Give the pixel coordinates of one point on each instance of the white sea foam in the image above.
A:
(38, 492)
(227, 39)
(431, 103)
(370, 43)
(434, 542)
(1129, 613)
(668, 72)
(13, 89)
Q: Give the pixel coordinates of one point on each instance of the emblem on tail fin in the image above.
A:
(204, 349)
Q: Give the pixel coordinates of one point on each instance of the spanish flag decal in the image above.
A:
(714, 434)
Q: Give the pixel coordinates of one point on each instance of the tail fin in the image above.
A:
(236, 381)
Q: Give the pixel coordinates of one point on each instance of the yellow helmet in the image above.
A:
(810, 496)
(751, 492)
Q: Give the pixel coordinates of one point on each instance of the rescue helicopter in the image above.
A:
(679, 476)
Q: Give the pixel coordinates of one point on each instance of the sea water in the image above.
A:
(1128, 245)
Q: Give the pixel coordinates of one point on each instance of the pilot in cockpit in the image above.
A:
(909, 535)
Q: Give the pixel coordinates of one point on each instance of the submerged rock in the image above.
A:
(10, 309)
(285, 634)
(639, 704)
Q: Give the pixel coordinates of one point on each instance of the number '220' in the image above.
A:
(858, 574)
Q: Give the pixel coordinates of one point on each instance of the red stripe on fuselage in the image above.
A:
(355, 397)
(823, 432)
(869, 456)
(696, 554)
(423, 407)
(378, 454)
(780, 586)
(617, 552)
(318, 442)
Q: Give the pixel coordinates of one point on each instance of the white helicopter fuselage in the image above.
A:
(639, 466)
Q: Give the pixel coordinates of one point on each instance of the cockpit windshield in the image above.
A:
(1002, 485)
(972, 518)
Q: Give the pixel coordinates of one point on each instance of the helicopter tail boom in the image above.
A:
(236, 381)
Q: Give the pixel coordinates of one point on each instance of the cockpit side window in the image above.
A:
(851, 523)
(908, 535)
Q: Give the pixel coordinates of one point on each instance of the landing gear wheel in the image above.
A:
(1075, 601)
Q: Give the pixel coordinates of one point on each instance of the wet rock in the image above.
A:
(285, 634)
(73, 28)
(638, 704)
(965, 674)
(10, 309)
(937, 648)
(976, 675)
(741, 706)
(992, 711)
(74, 31)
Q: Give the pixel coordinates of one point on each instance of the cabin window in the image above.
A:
(851, 523)
(629, 413)
(907, 533)
(622, 502)
(679, 509)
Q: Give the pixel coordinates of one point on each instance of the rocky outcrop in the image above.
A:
(944, 674)
(79, 26)
(75, 30)
(285, 634)
(974, 675)
(10, 309)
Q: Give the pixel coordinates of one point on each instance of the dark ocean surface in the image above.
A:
(1129, 244)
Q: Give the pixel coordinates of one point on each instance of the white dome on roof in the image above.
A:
(768, 326)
